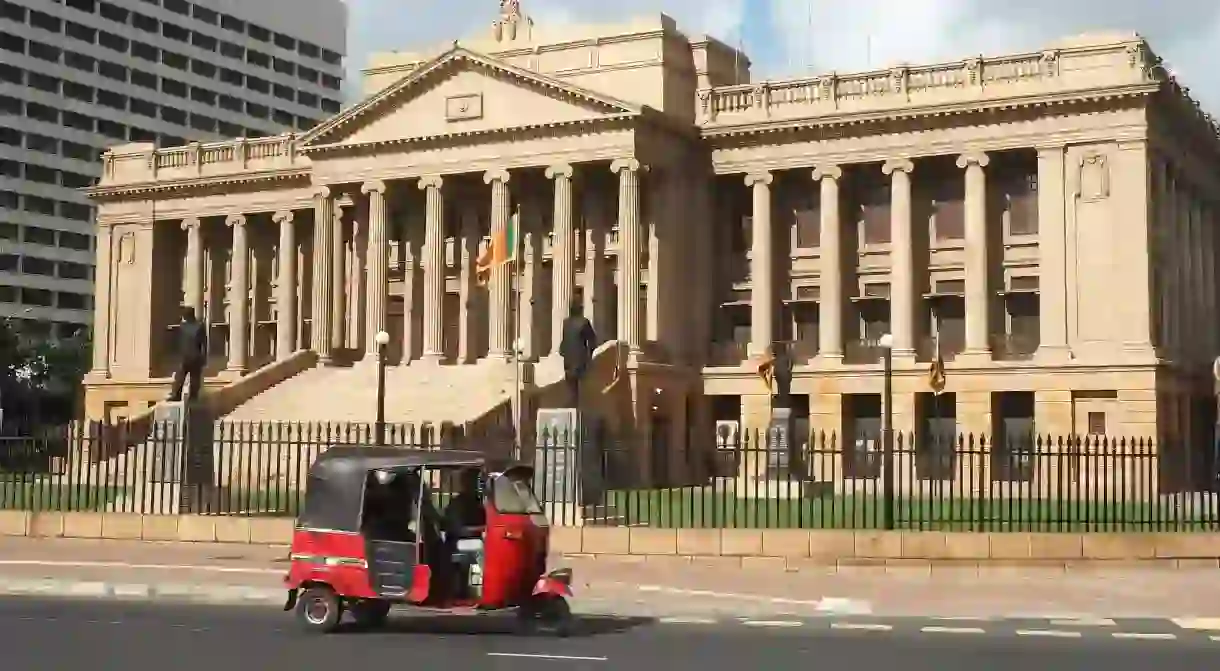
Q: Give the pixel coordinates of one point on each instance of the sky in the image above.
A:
(802, 37)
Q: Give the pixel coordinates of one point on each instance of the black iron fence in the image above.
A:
(960, 483)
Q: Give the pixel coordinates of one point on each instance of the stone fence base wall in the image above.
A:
(779, 549)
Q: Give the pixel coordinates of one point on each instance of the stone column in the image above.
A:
(323, 259)
(499, 326)
(378, 266)
(1052, 255)
(830, 291)
(595, 275)
(338, 327)
(902, 257)
(762, 252)
(286, 288)
(410, 270)
(239, 301)
(531, 258)
(469, 236)
(434, 269)
(978, 298)
(563, 253)
(629, 326)
(103, 275)
(194, 266)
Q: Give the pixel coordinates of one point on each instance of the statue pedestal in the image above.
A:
(776, 471)
(180, 471)
(570, 468)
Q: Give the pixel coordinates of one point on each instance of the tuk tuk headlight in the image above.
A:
(385, 477)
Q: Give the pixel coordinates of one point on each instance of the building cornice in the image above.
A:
(105, 193)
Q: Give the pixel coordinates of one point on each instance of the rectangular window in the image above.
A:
(10, 42)
(146, 52)
(73, 301)
(73, 271)
(205, 42)
(12, 12)
(9, 231)
(232, 104)
(11, 74)
(205, 15)
(75, 211)
(37, 235)
(9, 261)
(113, 42)
(79, 92)
(80, 61)
(331, 57)
(43, 82)
(1022, 204)
(143, 108)
(284, 118)
(175, 60)
(112, 100)
(177, 6)
(114, 13)
(80, 152)
(43, 113)
(202, 95)
(176, 33)
(232, 23)
(258, 85)
(308, 74)
(145, 79)
(331, 82)
(45, 52)
(146, 23)
(203, 68)
(44, 21)
(309, 49)
(285, 93)
(76, 180)
(203, 123)
(173, 115)
(112, 129)
(173, 87)
(39, 297)
(41, 143)
(285, 67)
(258, 32)
(307, 99)
(331, 106)
(78, 121)
(873, 200)
(10, 169)
(1097, 423)
(41, 174)
(230, 50)
(232, 77)
(37, 205)
(112, 71)
(285, 42)
(10, 136)
(79, 32)
(78, 241)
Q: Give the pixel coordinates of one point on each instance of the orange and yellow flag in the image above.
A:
(766, 370)
(502, 250)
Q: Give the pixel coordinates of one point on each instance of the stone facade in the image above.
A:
(1044, 220)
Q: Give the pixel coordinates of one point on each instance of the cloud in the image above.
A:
(794, 37)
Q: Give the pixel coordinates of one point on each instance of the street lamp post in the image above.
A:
(382, 339)
(886, 342)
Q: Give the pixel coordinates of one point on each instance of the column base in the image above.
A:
(432, 359)
(1053, 354)
(233, 371)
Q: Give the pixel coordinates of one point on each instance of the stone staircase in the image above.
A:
(414, 394)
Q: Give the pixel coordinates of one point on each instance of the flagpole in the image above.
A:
(516, 276)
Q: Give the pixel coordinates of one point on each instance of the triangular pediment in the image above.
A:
(464, 92)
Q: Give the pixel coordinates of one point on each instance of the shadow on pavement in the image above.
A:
(495, 624)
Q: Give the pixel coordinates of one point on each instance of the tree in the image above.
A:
(40, 378)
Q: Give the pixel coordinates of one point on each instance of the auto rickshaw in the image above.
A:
(370, 537)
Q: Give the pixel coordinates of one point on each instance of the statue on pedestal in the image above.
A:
(576, 348)
(781, 371)
(192, 353)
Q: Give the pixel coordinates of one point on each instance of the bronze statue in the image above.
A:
(782, 372)
(192, 356)
(576, 348)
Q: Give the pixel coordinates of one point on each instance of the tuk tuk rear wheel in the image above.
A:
(370, 613)
(319, 610)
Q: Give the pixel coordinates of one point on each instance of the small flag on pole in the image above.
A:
(502, 250)
(936, 373)
(766, 370)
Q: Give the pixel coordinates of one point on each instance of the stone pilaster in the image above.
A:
(103, 279)
(830, 291)
(978, 297)
(902, 257)
(193, 291)
(286, 288)
(1052, 256)
(378, 260)
(596, 281)
(410, 310)
(239, 296)
(434, 268)
(630, 248)
(563, 252)
(762, 254)
(323, 259)
(499, 326)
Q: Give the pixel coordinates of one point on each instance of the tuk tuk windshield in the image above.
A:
(511, 495)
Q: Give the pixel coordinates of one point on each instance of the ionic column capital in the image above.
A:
(563, 170)
(628, 164)
(497, 175)
(191, 223)
(373, 186)
(764, 177)
(321, 192)
(431, 182)
(904, 165)
(827, 172)
(235, 220)
(979, 158)
(283, 217)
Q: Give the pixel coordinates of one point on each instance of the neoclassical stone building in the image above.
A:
(1048, 218)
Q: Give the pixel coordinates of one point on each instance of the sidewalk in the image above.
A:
(226, 573)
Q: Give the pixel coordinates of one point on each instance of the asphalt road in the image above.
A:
(51, 634)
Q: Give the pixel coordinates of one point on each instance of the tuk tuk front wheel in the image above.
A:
(548, 613)
(370, 614)
(319, 610)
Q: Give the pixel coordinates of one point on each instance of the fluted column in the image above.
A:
(338, 279)
(323, 259)
(378, 255)
(563, 252)
(468, 236)
(286, 288)
(902, 257)
(830, 291)
(762, 252)
(978, 299)
(434, 268)
(103, 277)
(499, 344)
(629, 326)
(1052, 255)
(239, 300)
(194, 265)
(410, 273)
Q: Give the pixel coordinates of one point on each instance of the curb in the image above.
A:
(177, 593)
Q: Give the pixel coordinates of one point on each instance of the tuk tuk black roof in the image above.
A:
(334, 490)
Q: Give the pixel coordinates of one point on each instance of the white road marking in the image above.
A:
(1084, 622)
(545, 656)
(1048, 632)
(1215, 638)
(963, 618)
(687, 620)
(772, 623)
(124, 565)
(725, 595)
(1143, 637)
(952, 630)
(1198, 623)
(861, 626)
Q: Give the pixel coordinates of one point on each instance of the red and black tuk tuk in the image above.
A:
(370, 537)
